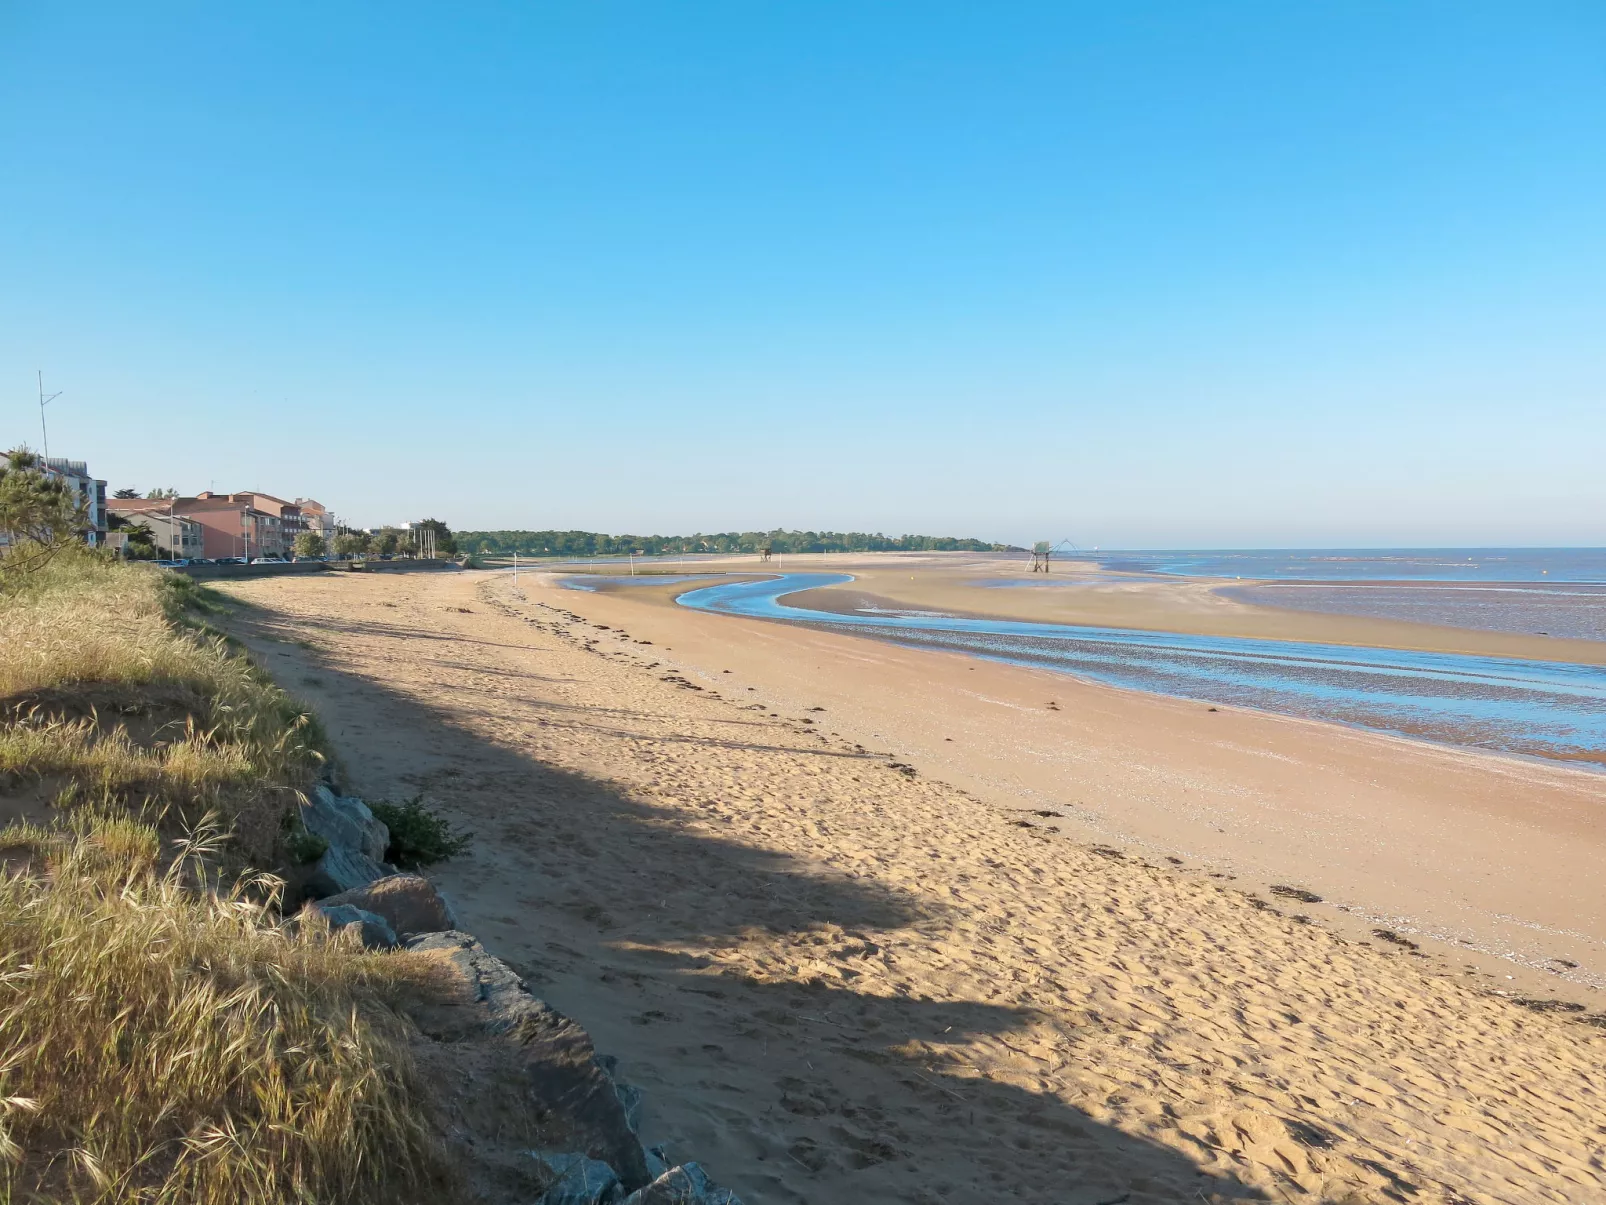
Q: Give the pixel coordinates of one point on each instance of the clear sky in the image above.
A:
(1146, 274)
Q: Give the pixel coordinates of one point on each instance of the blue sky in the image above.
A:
(1161, 274)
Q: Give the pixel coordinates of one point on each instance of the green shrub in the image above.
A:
(304, 847)
(418, 834)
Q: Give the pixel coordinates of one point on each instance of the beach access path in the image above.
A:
(839, 979)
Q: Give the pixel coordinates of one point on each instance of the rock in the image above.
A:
(576, 1180)
(345, 820)
(630, 1097)
(408, 902)
(342, 869)
(557, 1067)
(375, 930)
(683, 1185)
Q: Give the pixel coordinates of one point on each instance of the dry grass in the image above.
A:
(110, 677)
(86, 619)
(112, 763)
(160, 1043)
(164, 1039)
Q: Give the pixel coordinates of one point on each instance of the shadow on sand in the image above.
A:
(787, 1090)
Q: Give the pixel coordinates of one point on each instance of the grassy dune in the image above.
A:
(162, 1038)
(112, 682)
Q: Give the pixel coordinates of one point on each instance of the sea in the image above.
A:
(1557, 592)
(1587, 565)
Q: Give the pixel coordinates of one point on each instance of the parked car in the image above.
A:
(232, 560)
(172, 564)
(268, 560)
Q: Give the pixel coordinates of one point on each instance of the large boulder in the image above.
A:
(683, 1185)
(573, 1179)
(342, 869)
(408, 902)
(345, 820)
(374, 930)
(556, 1066)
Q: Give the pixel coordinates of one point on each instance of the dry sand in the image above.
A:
(839, 981)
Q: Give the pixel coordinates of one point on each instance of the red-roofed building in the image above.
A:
(291, 521)
(231, 524)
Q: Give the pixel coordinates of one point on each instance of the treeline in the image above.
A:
(594, 543)
(385, 541)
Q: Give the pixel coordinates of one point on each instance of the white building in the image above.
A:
(89, 491)
(317, 517)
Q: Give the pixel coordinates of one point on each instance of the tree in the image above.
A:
(445, 544)
(160, 495)
(590, 543)
(310, 544)
(140, 544)
(39, 513)
(386, 542)
(351, 543)
(126, 492)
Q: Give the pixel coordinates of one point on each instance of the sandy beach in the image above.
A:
(877, 924)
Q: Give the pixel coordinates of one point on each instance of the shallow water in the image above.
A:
(1367, 564)
(1529, 707)
(1573, 610)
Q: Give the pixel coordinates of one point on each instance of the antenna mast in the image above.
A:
(43, 402)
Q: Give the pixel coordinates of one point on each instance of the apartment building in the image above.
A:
(174, 535)
(291, 521)
(88, 490)
(235, 527)
(231, 525)
(317, 517)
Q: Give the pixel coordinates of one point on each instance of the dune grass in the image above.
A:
(163, 1037)
(111, 679)
(160, 1043)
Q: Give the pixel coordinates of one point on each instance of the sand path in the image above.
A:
(841, 983)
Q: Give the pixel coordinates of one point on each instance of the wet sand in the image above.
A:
(848, 976)
(1476, 852)
(1077, 593)
(1551, 710)
(1563, 610)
